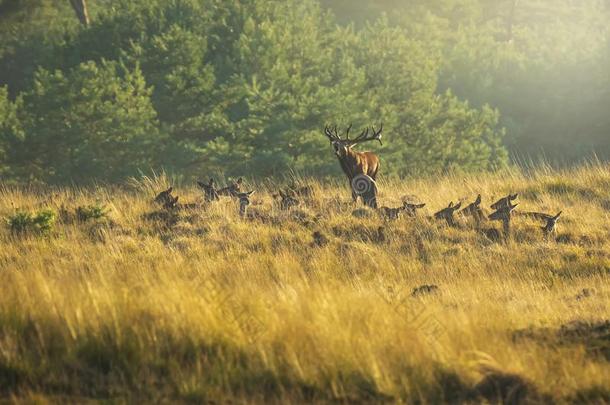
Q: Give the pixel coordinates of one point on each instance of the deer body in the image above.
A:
(354, 163)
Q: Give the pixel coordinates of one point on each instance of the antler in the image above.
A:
(347, 132)
(364, 136)
(331, 133)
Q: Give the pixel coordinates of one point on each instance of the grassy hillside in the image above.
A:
(201, 304)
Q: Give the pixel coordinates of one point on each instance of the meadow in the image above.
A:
(124, 301)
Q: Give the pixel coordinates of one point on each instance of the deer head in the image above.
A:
(411, 209)
(551, 222)
(209, 190)
(342, 146)
(287, 200)
(503, 213)
(394, 213)
(164, 196)
(504, 202)
(474, 210)
(447, 213)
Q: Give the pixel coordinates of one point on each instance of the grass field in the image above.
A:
(199, 305)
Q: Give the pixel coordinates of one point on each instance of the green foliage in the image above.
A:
(541, 64)
(39, 223)
(91, 212)
(93, 121)
(10, 127)
(211, 86)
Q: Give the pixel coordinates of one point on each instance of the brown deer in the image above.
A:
(287, 200)
(353, 163)
(298, 190)
(474, 210)
(165, 197)
(169, 202)
(504, 202)
(209, 190)
(244, 202)
(549, 220)
(232, 189)
(504, 214)
(407, 208)
(447, 213)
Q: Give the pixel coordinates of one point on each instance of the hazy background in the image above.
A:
(244, 87)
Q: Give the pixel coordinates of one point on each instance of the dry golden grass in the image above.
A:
(210, 306)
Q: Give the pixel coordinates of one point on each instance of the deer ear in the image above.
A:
(478, 201)
(240, 180)
(450, 205)
(170, 189)
(420, 205)
(514, 196)
(457, 206)
(250, 193)
(558, 215)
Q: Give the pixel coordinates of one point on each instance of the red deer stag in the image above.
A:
(359, 167)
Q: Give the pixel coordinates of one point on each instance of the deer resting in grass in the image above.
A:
(474, 210)
(504, 213)
(447, 213)
(356, 165)
(165, 197)
(232, 189)
(167, 200)
(394, 213)
(550, 221)
(287, 200)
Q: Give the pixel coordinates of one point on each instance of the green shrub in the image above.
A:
(20, 222)
(94, 212)
(40, 223)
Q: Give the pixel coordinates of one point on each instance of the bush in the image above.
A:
(95, 120)
(94, 212)
(40, 223)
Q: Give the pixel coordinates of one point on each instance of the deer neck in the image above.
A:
(349, 163)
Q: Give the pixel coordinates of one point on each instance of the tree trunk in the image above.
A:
(80, 8)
